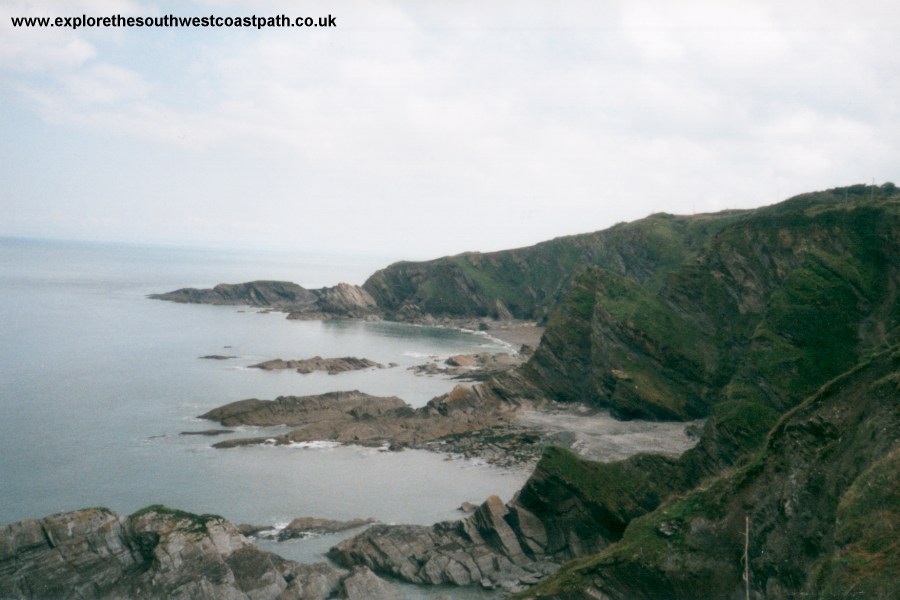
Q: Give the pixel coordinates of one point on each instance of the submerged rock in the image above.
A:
(208, 432)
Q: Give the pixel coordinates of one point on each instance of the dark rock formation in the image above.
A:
(208, 432)
(482, 549)
(305, 410)
(217, 357)
(342, 300)
(332, 366)
(158, 553)
(445, 423)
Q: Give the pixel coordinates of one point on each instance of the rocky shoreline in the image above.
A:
(159, 552)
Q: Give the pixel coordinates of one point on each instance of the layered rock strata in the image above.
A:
(160, 553)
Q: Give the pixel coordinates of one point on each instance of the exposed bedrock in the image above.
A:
(469, 418)
(568, 508)
(160, 553)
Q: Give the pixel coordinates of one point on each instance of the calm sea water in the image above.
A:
(98, 381)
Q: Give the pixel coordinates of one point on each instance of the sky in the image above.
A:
(415, 129)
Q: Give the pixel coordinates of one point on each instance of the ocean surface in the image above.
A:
(97, 382)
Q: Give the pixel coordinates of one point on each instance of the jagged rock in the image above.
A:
(159, 553)
(482, 549)
(317, 581)
(345, 299)
(363, 584)
(156, 553)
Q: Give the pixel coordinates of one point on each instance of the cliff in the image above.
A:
(743, 324)
(527, 283)
(776, 302)
(819, 500)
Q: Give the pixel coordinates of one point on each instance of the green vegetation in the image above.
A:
(821, 495)
(774, 303)
(188, 522)
(866, 562)
(747, 317)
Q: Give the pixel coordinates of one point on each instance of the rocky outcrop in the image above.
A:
(332, 407)
(358, 418)
(480, 550)
(472, 367)
(362, 584)
(568, 508)
(158, 553)
(342, 300)
(332, 366)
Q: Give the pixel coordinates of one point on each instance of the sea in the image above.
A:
(97, 383)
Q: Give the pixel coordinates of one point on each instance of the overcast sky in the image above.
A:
(422, 128)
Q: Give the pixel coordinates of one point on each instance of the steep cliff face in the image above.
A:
(528, 282)
(776, 302)
(819, 498)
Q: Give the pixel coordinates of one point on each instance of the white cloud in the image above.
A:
(549, 119)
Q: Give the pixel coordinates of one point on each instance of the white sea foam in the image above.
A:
(414, 354)
(314, 445)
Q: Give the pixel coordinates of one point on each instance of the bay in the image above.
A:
(98, 382)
